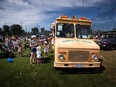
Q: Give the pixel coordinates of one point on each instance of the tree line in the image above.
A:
(14, 29)
(17, 29)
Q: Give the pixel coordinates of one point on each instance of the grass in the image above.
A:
(20, 74)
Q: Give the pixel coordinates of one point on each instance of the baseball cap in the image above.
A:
(33, 36)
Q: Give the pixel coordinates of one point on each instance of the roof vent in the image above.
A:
(73, 17)
(63, 16)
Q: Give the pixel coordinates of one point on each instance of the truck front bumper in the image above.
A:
(77, 64)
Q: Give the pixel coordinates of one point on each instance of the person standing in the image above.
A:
(8, 42)
(33, 45)
(19, 50)
(38, 52)
(46, 48)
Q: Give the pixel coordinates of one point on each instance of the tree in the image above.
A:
(6, 29)
(47, 32)
(114, 29)
(34, 30)
(1, 32)
(16, 29)
(42, 29)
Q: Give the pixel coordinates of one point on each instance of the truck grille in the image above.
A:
(80, 56)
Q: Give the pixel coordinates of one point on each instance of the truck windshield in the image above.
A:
(83, 31)
(65, 30)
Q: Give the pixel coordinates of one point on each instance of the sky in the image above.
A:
(40, 13)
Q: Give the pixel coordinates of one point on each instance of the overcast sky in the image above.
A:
(40, 13)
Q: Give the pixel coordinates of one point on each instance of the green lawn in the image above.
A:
(20, 74)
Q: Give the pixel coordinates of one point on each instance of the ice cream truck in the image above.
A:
(73, 44)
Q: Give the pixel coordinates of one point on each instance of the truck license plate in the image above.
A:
(79, 65)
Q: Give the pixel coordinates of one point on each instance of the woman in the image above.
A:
(33, 46)
(8, 42)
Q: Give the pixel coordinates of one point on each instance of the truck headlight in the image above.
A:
(61, 56)
(94, 57)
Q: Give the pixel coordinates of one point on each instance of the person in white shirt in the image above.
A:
(46, 49)
(38, 53)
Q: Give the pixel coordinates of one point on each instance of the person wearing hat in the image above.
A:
(8, 42)
(33, 45)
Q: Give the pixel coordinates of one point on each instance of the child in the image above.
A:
(46, 47)
(38, 52)
(19, 50)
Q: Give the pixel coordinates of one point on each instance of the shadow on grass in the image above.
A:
(105, 49)
(44, 60)
(48, 59)
(81, 70)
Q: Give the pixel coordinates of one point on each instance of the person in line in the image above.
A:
(38, 52)
(17, 43)
(19, 50)
(46, 48)
(33, 45)
(8, 42)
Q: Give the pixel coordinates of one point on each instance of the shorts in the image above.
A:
(39, 59)
(33, 50)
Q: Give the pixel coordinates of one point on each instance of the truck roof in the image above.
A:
(81, 20)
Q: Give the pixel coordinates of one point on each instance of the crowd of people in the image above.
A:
(12, 44)
(34, 43)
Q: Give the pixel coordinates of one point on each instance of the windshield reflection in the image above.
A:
(83, 31)
(65, 30)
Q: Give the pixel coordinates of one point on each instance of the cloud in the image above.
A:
(18, 2)
(42, 12)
